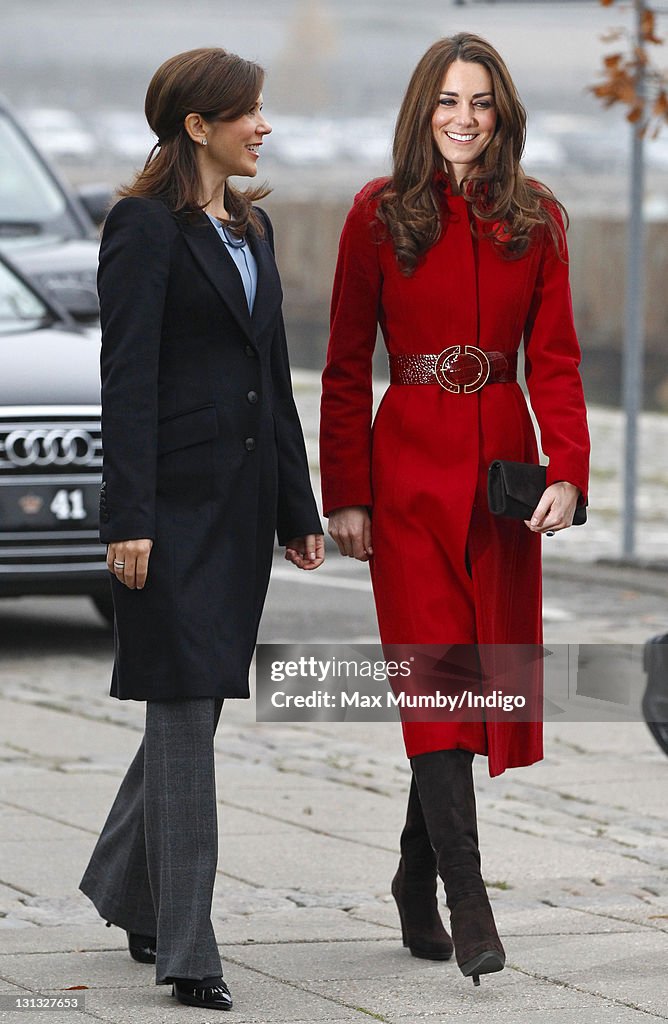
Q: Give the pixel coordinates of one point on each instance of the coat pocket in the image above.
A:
(184, 429)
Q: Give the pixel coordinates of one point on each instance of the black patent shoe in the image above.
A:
(209, 993)
(142, 947)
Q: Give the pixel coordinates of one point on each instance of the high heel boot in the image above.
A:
(445, 785)
(414, 888)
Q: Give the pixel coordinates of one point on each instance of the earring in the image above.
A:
(204, 141)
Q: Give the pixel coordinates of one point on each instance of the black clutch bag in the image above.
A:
(515, 488)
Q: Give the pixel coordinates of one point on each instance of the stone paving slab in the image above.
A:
(609, 770)
(514, 858)
(46, 1016)
(642, 907)
(649, 797)
(328, 808)
(54, 866)
(8, 894)
(58, 971)
(236, 896)
(60, 733)
(300, 924)
(235, 778)
(632, 970)
(258, 1000)
(67, 938)
(81, 800)
(589, 1014)
(316, 862)
(24, 827)
(7, 986)
(442, 987)
(538, 919)
(237, 821)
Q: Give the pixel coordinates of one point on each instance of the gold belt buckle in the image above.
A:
(445, 365)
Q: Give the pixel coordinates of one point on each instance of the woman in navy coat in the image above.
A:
(204, 461)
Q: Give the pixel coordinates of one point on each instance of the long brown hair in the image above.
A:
(217, 85)
(500, 193)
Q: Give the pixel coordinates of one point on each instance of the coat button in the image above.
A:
(250, 351)
(104, 516)
(250, 444)
(252, 397)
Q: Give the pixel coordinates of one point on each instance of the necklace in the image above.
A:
(233, 240)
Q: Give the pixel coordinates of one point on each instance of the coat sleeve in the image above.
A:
(347, 392)
(552, 358)
(132, 284)
(297, 513)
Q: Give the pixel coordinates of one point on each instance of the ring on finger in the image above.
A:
(118, 565)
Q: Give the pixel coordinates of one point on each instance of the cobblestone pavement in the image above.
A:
(575, 849)
(575, 856)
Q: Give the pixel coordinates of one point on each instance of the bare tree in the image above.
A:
(631, 78)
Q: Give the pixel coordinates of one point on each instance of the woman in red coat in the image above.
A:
(460, 258)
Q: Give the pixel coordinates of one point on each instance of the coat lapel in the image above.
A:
(269, 294)
(216, 263)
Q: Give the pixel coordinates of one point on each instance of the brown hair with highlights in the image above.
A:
(507, 205)
(218, 85)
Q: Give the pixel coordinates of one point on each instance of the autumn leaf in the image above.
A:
(660, 108)
(635, 114)
(647, 26)
(607, 3)
(640, 57)
(613, 60)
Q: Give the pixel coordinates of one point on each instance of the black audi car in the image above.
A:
(50, 447)
(47, 229)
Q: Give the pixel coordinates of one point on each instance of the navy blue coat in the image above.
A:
(203, 449)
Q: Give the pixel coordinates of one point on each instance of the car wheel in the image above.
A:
(105, 606)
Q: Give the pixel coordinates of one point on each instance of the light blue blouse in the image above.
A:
(244, 259)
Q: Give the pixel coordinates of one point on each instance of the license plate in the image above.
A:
(48, 505)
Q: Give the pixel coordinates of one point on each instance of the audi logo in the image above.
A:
(55, 447)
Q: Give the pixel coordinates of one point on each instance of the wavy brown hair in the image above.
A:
(218, 85)
(508, 206)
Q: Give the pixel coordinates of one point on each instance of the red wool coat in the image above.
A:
(444, 570)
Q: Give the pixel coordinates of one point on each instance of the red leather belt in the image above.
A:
(459, 368)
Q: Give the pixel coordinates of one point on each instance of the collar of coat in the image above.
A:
(487, 229)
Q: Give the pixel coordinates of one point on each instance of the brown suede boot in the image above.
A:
(414, 888)
(445, 784)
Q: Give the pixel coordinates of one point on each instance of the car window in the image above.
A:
(20, 307)
(28, 195)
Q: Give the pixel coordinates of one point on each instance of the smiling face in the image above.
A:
(233, 147)
(464, 121)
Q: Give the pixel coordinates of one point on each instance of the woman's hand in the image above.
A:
(351, 529)
(128, 561)
(556, 508)
(306, 552)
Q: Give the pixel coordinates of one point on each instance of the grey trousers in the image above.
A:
(154, 866)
